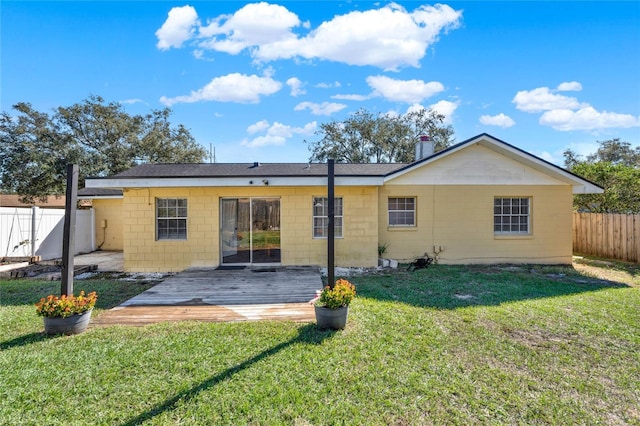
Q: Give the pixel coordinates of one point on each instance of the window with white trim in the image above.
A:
(171, 218)
(512, 215)
(321, 217)
(402, 211)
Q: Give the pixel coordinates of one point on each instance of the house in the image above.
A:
(480, 201)
(109, 217)
(13, 200)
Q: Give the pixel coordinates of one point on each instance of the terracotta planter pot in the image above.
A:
(335, 319)
(74, 324)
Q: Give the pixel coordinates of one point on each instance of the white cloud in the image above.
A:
(389, 37)
(543, 99)
(328, 85)
(587, 118)
(296, 86)
(308, 129)
(264, 141)
(393, 114)
(351, 97)
(276, 134)
(132, 101)
(446, 108)
(565, 113)
(408, 91)
(178, 28)
(260, 126)
(234, 87)
(255, 24)
(325, 108)
(499, 120)
(570, 86)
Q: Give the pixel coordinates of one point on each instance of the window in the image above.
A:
(321, 217)
(402, 211)
(511, 215)
(171, 218)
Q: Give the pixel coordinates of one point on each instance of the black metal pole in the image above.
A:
(330, 225)
(69, 232)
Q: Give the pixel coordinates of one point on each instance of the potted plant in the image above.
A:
(66, 314)
(332, 305)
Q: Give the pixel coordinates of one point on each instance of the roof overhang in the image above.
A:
(174, 182)
(100, 197)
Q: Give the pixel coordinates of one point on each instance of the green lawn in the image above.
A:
(445, 345)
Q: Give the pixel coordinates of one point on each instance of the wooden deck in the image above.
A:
(280, 293)
(144, 315)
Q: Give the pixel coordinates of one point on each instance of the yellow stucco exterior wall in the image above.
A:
(109, 223)
(143, 253)
(457, 220)
(454, 220)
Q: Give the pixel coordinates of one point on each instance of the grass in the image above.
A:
(445, 345)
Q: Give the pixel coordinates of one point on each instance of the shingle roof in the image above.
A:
(290, 174)
(252, 169)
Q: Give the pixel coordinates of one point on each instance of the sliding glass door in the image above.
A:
(250, 230)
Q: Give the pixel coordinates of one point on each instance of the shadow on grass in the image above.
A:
(308, 334)
(451, 287)
(24, 340)
(111, 293)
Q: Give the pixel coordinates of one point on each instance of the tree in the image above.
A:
(615, 151)
(100, 137)
(368, 138)
(33, 154)
(616, 167)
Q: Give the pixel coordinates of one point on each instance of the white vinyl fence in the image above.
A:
(26, 232)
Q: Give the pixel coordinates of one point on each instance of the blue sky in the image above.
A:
(255, 80)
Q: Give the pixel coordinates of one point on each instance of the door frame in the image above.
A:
(251, 249)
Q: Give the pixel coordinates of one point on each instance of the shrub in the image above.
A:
(64, 306)
(337, 297)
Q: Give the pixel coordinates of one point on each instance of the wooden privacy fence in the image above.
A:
(614, 236)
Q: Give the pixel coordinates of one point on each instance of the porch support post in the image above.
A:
(330, 225)
(69, 232)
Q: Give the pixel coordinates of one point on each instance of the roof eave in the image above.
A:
(249, 181)
(100, 197)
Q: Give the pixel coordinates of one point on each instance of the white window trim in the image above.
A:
(389, 211)
(158, 218)
(510, 233)
(314, 200)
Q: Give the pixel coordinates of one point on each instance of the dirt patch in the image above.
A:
(538, 338)
(464, 296)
